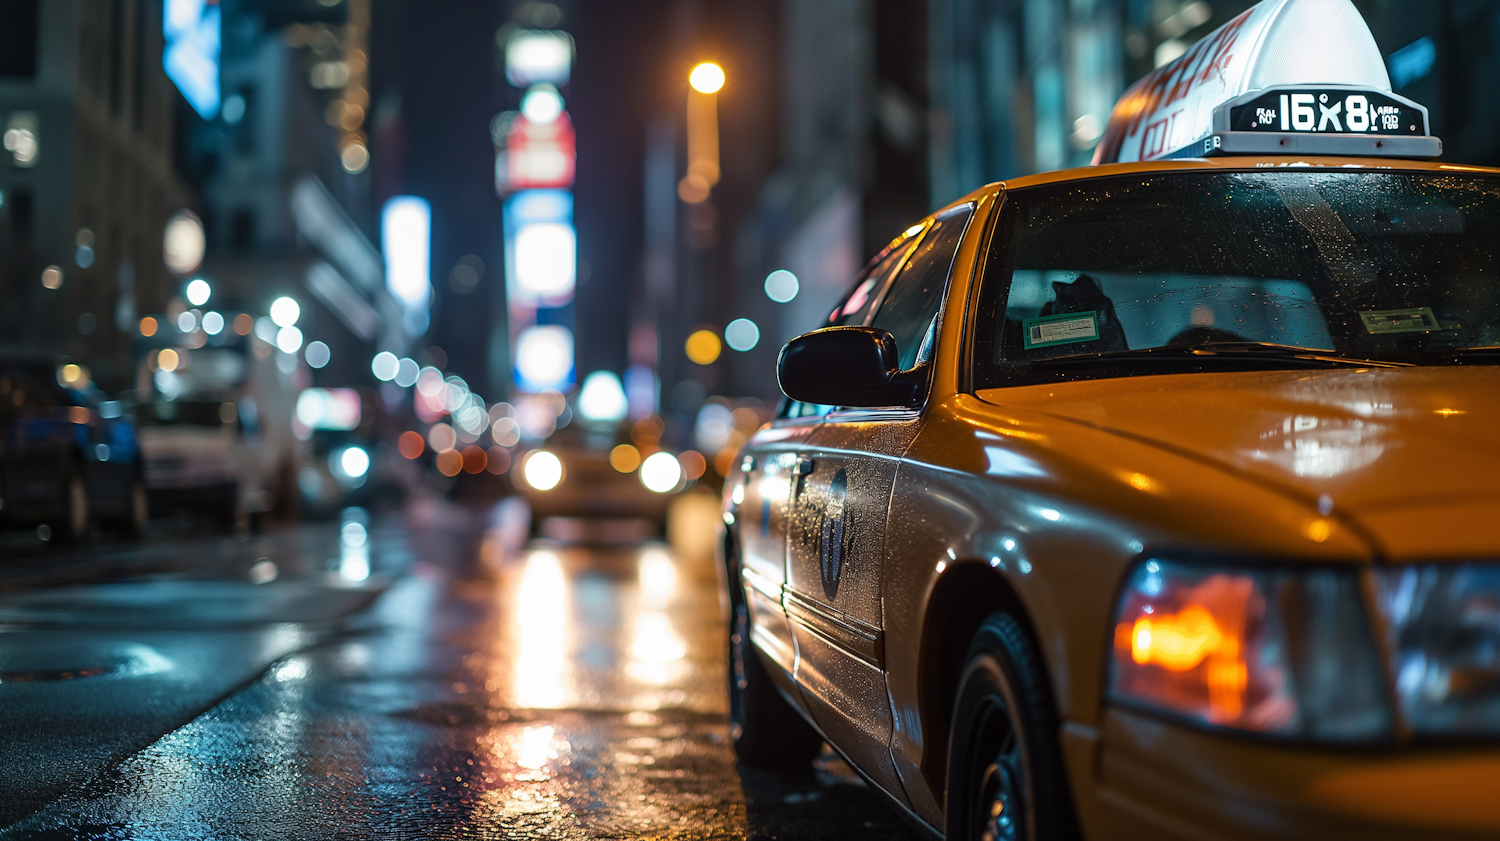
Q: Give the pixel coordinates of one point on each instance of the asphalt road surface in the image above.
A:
(406, 677)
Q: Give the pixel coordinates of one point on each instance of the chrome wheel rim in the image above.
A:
(1000, 794)
(998, 787)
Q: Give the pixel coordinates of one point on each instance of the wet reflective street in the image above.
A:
(413, 677)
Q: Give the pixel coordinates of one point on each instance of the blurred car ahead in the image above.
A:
(343, 439)
(571, 482)
(68, 458)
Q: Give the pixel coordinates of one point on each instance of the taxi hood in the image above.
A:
(1411, 454)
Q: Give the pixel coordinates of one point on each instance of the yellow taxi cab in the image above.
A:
(1158, 498)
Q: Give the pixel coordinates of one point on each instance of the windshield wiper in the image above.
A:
(1259, 352)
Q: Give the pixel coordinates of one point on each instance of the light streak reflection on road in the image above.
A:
(542, 626)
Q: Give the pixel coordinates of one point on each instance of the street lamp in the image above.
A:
(706, 80)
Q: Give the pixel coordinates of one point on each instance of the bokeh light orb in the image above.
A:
(742, 334)
(703, 347)
(183, 243)
(385, 366)
(781, 286)
(285, 312)
(660, 472)
(198, 292)
(543, 471)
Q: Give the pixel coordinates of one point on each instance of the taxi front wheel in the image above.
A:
(767, 731)
(1005, 771)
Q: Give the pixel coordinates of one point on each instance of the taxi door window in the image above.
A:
(910, 308)
(855, 307)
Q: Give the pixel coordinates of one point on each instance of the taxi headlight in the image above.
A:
(1443, 623)
(1286, 653)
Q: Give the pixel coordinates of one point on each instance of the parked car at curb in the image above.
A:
(69, 459)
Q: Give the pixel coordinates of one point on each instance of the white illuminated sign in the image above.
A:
(406, 237)
(541, 248)
(544, 357)
(534, 55)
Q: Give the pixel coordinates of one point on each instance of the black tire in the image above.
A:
(767, 731)
(76, 517)
(1005, 769)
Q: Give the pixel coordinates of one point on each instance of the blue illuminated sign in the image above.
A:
(1412, 62)
(191, 57)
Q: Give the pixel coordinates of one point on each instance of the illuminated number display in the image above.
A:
(1334, 111)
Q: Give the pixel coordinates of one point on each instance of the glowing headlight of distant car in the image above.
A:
(1280, 652)
(661, 472)
(543, 470)
(354, 461)
(349, 465)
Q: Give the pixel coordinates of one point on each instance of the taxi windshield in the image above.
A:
(1183, 272)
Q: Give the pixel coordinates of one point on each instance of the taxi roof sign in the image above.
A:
(1284, 77)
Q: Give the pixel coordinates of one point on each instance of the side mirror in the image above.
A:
(844, 366)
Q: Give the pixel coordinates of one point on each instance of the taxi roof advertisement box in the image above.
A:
(1320, 46)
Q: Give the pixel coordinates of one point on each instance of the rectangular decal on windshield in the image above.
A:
(1061, 329)
(1414, 320)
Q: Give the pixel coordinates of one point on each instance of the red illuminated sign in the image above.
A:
(534, 156)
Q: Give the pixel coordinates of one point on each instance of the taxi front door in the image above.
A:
(836, 541)
(841, 499)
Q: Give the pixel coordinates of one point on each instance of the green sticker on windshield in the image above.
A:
(1063, 329)
(1414, 320)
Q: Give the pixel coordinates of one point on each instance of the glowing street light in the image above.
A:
(707, 78)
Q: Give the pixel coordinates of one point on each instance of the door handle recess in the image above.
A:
(803, 467)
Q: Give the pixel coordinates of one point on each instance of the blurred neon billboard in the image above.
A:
(191, 56)
(406, 238)
(544, 358)
(531, 156)
(335, 409)
(540, 248)
(538, 55)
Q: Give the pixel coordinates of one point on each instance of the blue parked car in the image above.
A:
(69, 459)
